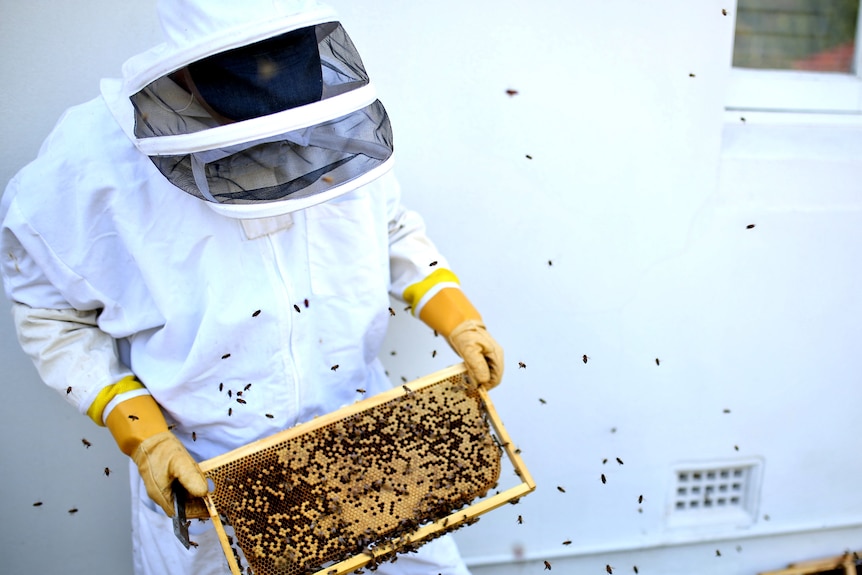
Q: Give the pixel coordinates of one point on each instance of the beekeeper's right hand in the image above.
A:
(141, 432)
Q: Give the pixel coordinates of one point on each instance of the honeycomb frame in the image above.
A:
(355, 487)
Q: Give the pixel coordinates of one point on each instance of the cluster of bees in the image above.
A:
(360, 483)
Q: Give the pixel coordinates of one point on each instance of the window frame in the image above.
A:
(804, 92)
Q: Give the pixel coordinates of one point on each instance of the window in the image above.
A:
(797, 55)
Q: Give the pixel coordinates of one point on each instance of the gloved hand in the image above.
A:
(451, 314)
(141, 432)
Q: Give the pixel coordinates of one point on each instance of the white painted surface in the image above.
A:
(638, 192)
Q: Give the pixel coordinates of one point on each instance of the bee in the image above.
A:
(620, 461)
(585, 358)
(542, 401)
(635, 569)
(393, 352)
(73, 510)
(432, 264)
(86, 443)
(640, 498)
(327, 179)
(736, 448)
(434, 353)
(520, 520)
(726, 411)
(609, 569)
(334, 367)
(717, 553)
(256, 313)
(690, 75)
(723, 12)
(193, 543)
(221, 386)
(510, 92)
(547, 565)
(194, 436)
(742, 119)
(360, 390)
(567, 542)
(230, 393)
(522, 365)
(657, 362)
(550, 263)
(391, 311)
(225, 356)
(240, 400)
(229, 411)
(749, 226)
(407, 389)
(269, 415)
(604, 461)
(529, 157)
(560, 489)
(68, 390)
(133, 417)
(305, 302)
(604, 479)
(247, 387)
(107, 472)
(37, 504)
(296, 307)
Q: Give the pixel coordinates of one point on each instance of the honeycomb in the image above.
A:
(312, 496)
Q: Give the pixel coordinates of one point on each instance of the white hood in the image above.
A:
(346, 132)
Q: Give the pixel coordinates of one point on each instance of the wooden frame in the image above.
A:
(432, 526)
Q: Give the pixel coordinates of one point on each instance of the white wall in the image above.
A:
(639, 192)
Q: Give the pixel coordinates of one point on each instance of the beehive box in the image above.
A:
(358, 485)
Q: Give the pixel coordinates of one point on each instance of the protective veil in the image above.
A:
(281, 292)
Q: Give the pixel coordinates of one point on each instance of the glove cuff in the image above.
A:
(447, 310)
(134, 420)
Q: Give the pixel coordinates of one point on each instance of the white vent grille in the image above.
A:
(719, 492)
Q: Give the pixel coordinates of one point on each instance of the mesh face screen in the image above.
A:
(341, 489)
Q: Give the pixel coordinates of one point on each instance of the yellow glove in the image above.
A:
(141, 432)
(451, 314)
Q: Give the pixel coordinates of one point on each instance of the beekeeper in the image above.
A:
(223, 219)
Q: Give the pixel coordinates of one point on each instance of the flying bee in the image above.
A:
(585, 358)
(247, 387)
(723, 12)
(107, 471)
(604, 479)
(520, 520)
(657, 362)
(434, 353)
(717, 553)
(550, 263)
(86, 443)
(225, 356)
(305, 302)
(690, 75)
(560, 489)
(334, 367)
(749, 226)
(567, 542)
(620, 461)
(68, 390)
(296, 307)
(510, 92)
(609, 569)
(240, 400)
(391, 311)
(726, 411)
(528, 156)
(229, 393)
(432, 264)
(522, 365)
(360, 390)
(194, 436)
(37, 504)
(269, 415)
(640, 498)
(133, 417)
(635, 569)
(221, 386)
(256, 313)
(73, 510)
(229, 411)
(547, 565)
(542, 401)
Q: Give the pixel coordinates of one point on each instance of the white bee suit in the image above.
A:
(114, 270)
